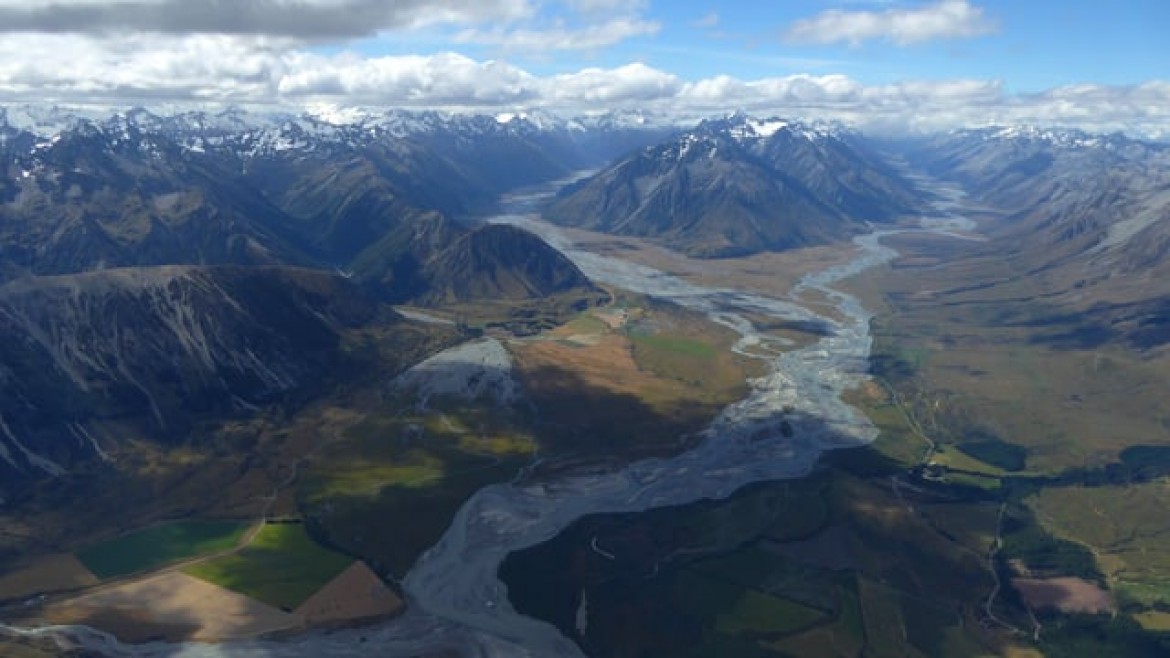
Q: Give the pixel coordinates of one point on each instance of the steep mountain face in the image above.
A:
(500, 262)
(156, 349)
(146, 284)
(1101, 202)
(739, 186)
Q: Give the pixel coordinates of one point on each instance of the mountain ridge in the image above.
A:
(740, 185)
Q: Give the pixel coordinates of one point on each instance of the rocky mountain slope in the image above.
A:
(90, 360)
(157, 272)
(1087, 217)
(501, 262)
(739, 185)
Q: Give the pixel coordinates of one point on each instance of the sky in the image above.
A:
(892, 64)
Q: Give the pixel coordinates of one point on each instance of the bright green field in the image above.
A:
(282, 567)
(153, 547)
(675, 345)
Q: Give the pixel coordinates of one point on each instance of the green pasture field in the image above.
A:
(282, 566)
(159, 545)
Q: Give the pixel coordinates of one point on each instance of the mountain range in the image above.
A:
(158, 271)
(739, 185)
(140, 189)
(1084, 217)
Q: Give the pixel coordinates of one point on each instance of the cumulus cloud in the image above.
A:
(138, 68)
(948, 19)
(303, 19)
(154, 69)
(446, 79)
(635, 84)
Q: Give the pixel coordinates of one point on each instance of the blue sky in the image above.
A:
(1031, 45)
(909, 64)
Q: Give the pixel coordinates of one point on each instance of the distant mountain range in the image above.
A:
(139, 189)
(739, 185)
(1087, 216)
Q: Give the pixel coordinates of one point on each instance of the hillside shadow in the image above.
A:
(633, 548)
(577, 421)
(1140, 326)
(1140, 464)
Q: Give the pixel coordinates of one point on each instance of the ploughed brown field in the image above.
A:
(355, 594)
(174, 606)
(56, 572)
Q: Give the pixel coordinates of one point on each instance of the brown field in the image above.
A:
(173, 606)
(51, 573)
(572, 374)
(607, 363)
(1065, 594)
(355, 594)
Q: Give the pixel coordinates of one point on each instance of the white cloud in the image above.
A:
(630, 84)
(139, 68)
(446, 79)
(255, 70)
(948, 19)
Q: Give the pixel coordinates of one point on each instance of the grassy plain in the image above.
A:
(156, 546)
(983, 355)
(1024, 403)
(282, 566)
